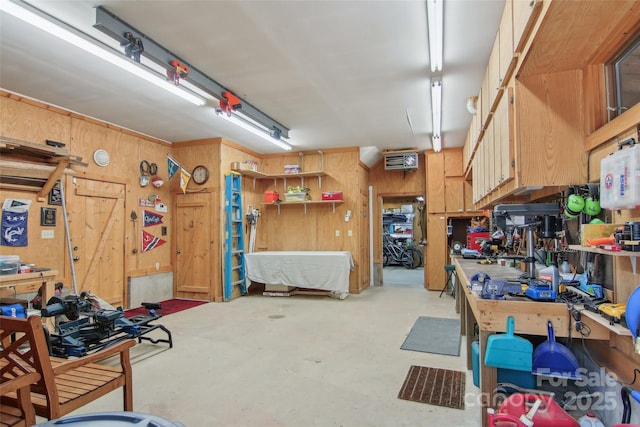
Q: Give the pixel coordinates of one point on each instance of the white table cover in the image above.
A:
(325, 270)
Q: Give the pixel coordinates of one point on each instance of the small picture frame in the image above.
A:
(55, 196)
(48, 217)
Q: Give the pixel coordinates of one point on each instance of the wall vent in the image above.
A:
(400, 160)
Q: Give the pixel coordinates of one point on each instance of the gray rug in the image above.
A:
(434, 335)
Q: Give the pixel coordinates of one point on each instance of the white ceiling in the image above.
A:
(336, 73)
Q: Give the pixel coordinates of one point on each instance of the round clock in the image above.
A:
(200, 174)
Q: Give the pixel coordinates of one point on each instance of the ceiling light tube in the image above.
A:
(436, 108)
(233, 118)
(118, 60)
(435, 21)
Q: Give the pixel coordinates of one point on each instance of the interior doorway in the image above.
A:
(403, 237)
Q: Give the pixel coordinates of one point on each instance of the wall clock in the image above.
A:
(200, 174)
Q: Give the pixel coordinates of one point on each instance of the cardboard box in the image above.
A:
(332, 195)
(271, 196)
(596, 231)
(292, 169)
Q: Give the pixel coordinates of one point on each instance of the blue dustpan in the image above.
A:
(552, 359)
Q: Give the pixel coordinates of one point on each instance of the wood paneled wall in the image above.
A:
(36, 122)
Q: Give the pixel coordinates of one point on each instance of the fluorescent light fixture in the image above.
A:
(436, 114)
(261, 132)
(435, 20)
(118, 60)
(436, 143)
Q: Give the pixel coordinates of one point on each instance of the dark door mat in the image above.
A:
(434, 335)
(442, 387)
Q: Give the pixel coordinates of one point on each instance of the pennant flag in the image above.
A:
(172, 167)
(149, 241)
(151, 218)
(14, 228)
(184, 179)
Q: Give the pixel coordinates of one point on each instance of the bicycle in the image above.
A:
(393, 252)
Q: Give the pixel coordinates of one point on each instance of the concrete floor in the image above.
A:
(398, 276)
(293, 361)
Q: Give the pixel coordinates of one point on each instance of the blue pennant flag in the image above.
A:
(151, 218)
(14, 228)
(172, 166)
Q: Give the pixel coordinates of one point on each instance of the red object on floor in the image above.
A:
(550, 414)
(471, 239)
(169, 306)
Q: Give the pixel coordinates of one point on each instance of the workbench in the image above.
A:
(31, 282)
(530, 319)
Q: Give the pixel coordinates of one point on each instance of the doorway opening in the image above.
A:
(403, 241)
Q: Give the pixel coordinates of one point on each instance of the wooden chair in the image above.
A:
(65, 384)
(24, 414)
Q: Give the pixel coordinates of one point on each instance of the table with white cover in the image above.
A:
(321, 270)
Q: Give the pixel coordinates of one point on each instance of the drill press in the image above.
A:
(531, 216)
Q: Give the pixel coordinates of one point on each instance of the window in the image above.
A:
(624, 78)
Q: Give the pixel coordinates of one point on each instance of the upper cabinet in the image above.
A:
(533, 116)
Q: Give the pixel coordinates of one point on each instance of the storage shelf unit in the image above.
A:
(305, 203)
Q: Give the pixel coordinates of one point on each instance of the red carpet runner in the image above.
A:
(169, 306)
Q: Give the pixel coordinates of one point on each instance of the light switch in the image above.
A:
(46, 234)
(337, 233)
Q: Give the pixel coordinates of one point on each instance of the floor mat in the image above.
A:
(169, 306)
(442, 387)
(434, 335)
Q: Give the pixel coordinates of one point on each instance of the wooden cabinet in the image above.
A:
(435, 252)
(534, 139)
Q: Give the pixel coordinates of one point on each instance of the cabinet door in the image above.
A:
(525, 13)
(454, 194)
(506, 41)
(453, 162)
(436, 252)
(468, 196)
(435, 182)
(494, 72)
(503, 131)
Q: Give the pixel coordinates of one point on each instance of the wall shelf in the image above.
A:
(631, 255)
(305, 203)
(284, 176)
(44, 167)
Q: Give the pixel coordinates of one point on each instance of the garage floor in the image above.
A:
(294, 361)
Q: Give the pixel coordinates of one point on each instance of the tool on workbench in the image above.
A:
(540, 290)
(612, 312)
(498, 289)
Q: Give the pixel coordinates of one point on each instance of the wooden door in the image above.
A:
(436, 251)
(97, 218)
(194, 266)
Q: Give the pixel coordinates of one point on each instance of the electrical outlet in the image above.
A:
(46, 234)
(157, 266)
(337, 233)
(350, 233)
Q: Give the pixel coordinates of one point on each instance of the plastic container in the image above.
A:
(9, 264)
(288, 169)
(590, 420)
(620, 179)
(332, 195)
(104, 419)
(295, 197)
(552, 275)
(473, 236)
(271, 196)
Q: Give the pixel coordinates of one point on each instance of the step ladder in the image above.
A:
(234, 263)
